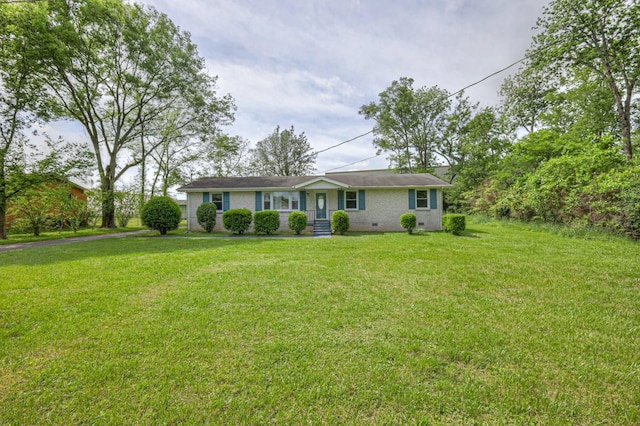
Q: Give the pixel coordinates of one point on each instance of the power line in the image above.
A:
(342, 143)
(351, 164)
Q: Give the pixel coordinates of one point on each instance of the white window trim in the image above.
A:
(218, 210)
(291, 196)
(357, 207)
(428, 207)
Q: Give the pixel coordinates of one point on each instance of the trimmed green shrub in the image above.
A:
(340, 222)
(454, 223)
(408, 221)
(297, 222)
(161, 214)
(206, 215)
(236, 220)
(266, 221)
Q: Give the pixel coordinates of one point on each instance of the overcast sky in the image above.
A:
(313, 63)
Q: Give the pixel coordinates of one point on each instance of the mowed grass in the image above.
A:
(503, 325)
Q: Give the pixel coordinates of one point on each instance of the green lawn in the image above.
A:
(503, 325)
(15, 237)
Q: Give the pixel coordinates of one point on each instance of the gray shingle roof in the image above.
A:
(287, 182)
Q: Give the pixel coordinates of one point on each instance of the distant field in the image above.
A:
(504, 325)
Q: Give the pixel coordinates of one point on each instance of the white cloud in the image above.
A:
(313, 63)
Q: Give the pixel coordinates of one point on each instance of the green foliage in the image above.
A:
(161, 214)
(409, 123)
(297, 221)
(206, 215)
(237, 220)
(266, 221)
(33, 209)
(283, 153)
(454, 223)
(408, 221)
(340, 222)
(126, 205)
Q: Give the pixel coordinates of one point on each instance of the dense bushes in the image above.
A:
(408, 221)
(597, 187)
(236, 220)
(297, 222)
(340, 222)
(266, 221)
(206, 215)
(454, 223)
(161, 214)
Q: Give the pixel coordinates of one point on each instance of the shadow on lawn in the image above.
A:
(135, 245)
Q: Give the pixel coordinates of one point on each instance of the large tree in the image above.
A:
(283, 153)
(118, 69)
(23, 164)
(410, 123)
(598, 36)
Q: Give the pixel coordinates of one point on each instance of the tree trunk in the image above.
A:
(3, 203)
(3, 218)
(108, 201)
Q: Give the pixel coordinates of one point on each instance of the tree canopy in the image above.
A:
(283, 153)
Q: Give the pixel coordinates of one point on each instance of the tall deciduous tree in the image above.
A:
(525, 97)
(118, 68)
(283, 153)
(601, 37)
(20, 96)
(410, 123)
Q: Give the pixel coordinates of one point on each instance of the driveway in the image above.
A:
(20, 246)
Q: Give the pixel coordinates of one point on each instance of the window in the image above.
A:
(216, 198)
(422, 199)
(351, 200)
(281, 200)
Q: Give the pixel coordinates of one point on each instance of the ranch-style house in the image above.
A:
(374, 199)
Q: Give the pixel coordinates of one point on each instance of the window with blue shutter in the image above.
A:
(225, 201)
(433, 198)
(412, 199)
(303, 201)
(361, 199)
(340, 199)
(258, 201)
(205, 197)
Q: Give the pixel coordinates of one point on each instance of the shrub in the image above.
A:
(236, 220)
(297, 222)
(454, 223)
(408, 221)
(266, 221)
(206, 215)
(340, 222)
(161, 214)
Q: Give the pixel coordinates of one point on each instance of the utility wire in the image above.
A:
(342, 143)
(350, 164)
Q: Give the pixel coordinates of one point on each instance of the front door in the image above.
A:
(321, 206)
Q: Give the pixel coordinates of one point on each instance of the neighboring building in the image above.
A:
(75, 190)
(373, 200)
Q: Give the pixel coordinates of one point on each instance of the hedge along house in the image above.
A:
(374, 200)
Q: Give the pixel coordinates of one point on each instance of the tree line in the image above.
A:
(561, 147)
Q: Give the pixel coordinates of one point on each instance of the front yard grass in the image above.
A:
(503, 325)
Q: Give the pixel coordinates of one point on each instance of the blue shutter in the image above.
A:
(340, 199)
(205, 197)
(361, 199)
(433, 198)
(412, 199)
(258, 201)
(225, 201)
(303, 201)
